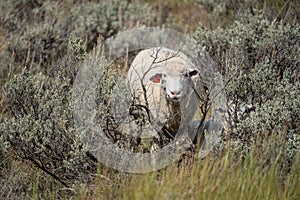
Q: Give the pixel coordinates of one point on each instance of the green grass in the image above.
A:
(224, 178)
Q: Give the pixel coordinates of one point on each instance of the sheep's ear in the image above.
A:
(156, 78)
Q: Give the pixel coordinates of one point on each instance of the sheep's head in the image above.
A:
(175, 83)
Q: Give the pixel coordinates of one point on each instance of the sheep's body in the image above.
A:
(160, 80)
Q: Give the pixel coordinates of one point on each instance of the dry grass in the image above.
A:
(225, 178)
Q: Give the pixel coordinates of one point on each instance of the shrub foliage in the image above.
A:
(259, 60)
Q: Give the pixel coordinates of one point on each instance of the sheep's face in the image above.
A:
(175, 83)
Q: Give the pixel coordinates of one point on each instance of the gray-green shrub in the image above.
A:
(259, 60)
(36, 33)
(39, 126)
(222, 13)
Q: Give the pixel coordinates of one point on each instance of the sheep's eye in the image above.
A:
(193, 73)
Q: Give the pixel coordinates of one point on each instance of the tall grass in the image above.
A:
(211, 178)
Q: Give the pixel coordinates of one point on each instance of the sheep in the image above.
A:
(163, 82)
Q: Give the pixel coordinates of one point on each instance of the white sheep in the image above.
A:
(164, 85)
